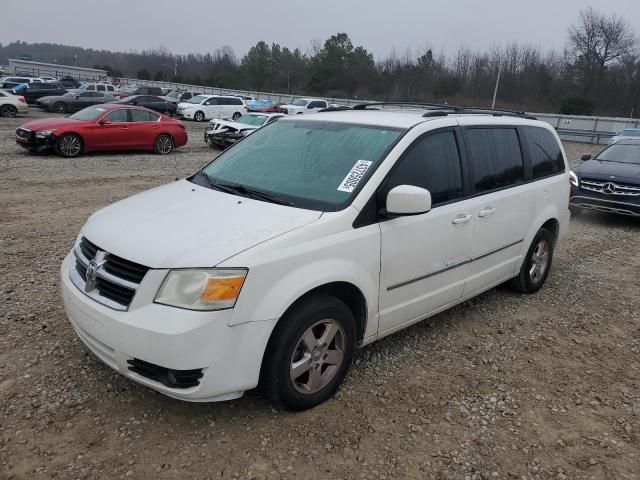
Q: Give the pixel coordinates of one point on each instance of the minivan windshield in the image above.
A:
(317, 165)
(621, 153)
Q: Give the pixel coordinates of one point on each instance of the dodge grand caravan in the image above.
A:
(309, 238)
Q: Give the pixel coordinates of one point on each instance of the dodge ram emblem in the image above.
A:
(92, 270)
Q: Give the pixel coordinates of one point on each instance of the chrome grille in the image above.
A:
(610, 188)
(114, 280)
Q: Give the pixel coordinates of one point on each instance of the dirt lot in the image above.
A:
(505, 386)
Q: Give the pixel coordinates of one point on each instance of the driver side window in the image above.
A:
(118, 116)
(432, 162)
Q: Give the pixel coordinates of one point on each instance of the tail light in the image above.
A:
(21, 99)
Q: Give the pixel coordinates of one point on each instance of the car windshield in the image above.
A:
(255, 120)
(89, 113)
(320, 164)
(173, 94)
(129, 88)
(621, 153)
(300, 103)
(630, 133)
(197, 99)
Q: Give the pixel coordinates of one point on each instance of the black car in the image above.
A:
(36, 90)
(610, 182)
(72, 102)
(151, 102)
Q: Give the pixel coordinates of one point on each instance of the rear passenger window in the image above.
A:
(143, 116)
(544, 151)
(496, 158)
(91, 87)
(433, 162)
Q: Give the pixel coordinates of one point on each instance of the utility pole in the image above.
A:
(75, 59)
(495, 91)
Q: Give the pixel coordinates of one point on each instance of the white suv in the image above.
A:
(206, 107)
(304, 105)
(312, 237)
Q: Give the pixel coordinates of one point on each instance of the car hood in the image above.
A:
(609, 170)
(45, 123)
(182, 225)
(233, 125)
(185, 105)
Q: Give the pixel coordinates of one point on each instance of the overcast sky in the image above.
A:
(199, 26)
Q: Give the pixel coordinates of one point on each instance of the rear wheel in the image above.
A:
(59, 107)
(163, 145)
(8, 111)
(199, 117)
(69, 145)
(309, 353)
(536, 265)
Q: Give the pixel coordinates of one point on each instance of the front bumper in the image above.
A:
(35, 144)
(185, 114)
(229, 356)
(221, 140)
(621, 205)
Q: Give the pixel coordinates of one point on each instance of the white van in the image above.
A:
(309, 238)
(206, 107)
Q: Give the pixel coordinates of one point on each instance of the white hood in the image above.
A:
(231, 124)
(182, 225)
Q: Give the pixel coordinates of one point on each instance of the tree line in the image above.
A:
(598, 71)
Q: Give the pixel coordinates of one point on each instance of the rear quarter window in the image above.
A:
(544, 151)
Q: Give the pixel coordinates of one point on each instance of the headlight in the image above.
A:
(44, 133)
(202, 289)
(573, 178)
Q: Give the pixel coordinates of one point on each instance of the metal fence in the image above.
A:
(573, 128)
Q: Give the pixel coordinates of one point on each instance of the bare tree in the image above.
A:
(595, 42)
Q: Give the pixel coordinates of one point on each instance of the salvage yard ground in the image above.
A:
(504, 386)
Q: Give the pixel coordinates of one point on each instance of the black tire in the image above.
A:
(69, 145)
(199, 116)
(530, 280)
(236, 116)
(59, 107)
(275, 377)
(163, 145)
(8, 111)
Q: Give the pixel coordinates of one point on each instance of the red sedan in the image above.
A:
(108, 127)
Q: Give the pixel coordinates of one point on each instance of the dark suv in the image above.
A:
(35, 90)
(610, 182)
(135, 90)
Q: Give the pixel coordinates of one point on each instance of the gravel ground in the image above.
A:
(503, 387)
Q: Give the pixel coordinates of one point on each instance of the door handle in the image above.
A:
(486, 212)
(124, 128)
(462, 218)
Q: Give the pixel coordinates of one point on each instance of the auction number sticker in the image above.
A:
(354, 176)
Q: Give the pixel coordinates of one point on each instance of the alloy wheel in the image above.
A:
(70, 146)
(164, 145)
(317, 356)
(539, 261)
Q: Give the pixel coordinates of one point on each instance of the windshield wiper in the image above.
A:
(244, 190)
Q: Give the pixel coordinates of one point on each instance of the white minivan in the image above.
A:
(310, 238)
(206, 107)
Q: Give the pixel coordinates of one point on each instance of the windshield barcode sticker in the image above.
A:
(354, 176)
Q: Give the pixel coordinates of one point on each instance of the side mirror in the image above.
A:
(408, 200)
(586, 157)
(105, 121)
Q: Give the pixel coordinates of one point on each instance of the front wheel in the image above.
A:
(69, 145)
(8, 111)
(236, 115)
(536, 265)
(163, 145)
(309, 353)
(199, 117)
(59, 107)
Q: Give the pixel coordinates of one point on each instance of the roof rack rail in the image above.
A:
(441, 110)
(365, 106)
